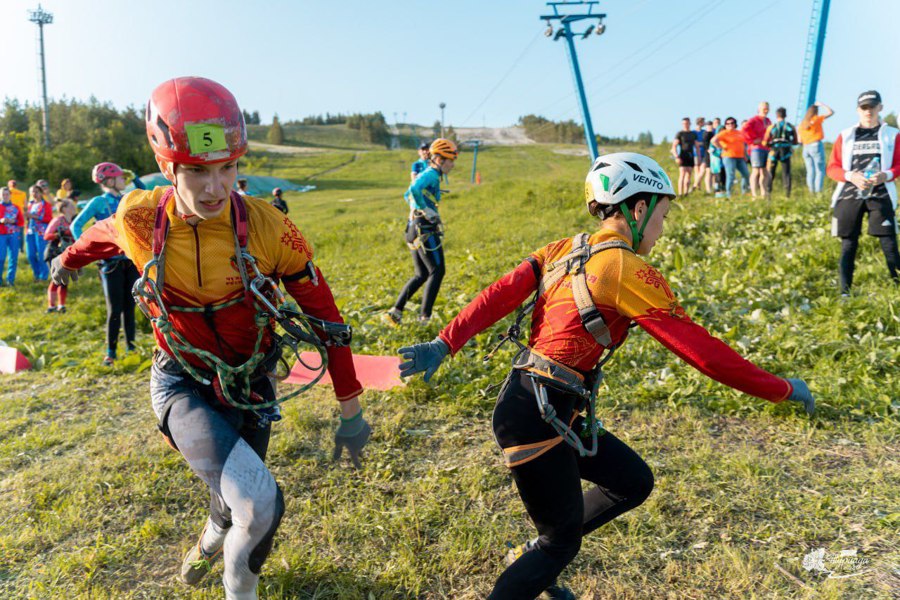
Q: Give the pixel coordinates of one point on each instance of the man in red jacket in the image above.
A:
(865, 161)
(755, 130)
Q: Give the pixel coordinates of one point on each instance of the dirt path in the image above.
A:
(333, 169)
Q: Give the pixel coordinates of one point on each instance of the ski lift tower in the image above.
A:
(41, 17)
(812, 60)
(567, 13)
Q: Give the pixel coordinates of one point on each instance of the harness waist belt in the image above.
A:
(552, 372)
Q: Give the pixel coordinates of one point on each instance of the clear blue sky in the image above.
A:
(658, 61)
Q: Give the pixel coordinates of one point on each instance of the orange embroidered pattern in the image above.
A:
(651, 276)
(140, 221)
(292, 238)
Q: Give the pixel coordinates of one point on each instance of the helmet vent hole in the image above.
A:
(165, 129)
(620, 186)
(600, 166)
(634, 166)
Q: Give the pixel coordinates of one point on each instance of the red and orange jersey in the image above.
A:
(200, 272)
(625, 289)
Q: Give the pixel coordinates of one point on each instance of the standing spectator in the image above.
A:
(781, 137)
(755, 130)
(732, 143)
(811, 135)
(59, 237)
(865, 161)
(421, 164)
(65, 188)
(20, 199)
(38, 216)
(11, 222)
(715, 161)
(683, 149)
(45, 190)
(117, 273)
(709, 133)
(278, 202)
(17, 196)
(242, 186)
(701, 153)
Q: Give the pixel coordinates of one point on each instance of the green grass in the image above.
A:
(96, 506)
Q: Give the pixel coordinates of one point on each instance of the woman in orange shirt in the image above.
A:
(811, 135)
(732, 143)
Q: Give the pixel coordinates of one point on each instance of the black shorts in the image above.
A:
(848, 216)
(706, 158)
(687, 159)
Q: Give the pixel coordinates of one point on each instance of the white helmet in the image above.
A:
(614, 178)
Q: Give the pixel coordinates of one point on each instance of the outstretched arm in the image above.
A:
(492, 304)
(97, 243)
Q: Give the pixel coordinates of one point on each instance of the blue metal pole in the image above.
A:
(579, 85)
(475, 161)
(817, 61)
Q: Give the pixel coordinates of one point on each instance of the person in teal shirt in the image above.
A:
(423, 232)
(420, 165)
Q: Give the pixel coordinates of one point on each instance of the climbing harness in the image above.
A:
(233, 383)
(545, 372)
(420, 229)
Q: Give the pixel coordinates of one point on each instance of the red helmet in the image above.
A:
(195, 120)
(276, 192)
(105, 170)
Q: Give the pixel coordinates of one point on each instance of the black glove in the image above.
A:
(425, 357)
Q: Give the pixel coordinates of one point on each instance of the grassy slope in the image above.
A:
(96, 506)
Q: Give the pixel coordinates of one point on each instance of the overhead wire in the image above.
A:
(503, 78)
(679, 59)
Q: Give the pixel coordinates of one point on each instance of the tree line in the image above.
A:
(82, 134)
(543, 130)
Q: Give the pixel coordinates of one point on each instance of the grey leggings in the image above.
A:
(225, 447)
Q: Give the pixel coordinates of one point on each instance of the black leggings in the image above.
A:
(849, 246)
(550, 487)
(428, 260)
(785, 175)
(118, 277)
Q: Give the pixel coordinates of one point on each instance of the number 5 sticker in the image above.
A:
(205, 137)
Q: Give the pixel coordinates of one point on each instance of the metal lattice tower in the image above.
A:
(812, 61)
(568, 13)
(41, 17)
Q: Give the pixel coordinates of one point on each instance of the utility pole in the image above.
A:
(567, 13)
(812, 59)
(41, 17)
(443, 105)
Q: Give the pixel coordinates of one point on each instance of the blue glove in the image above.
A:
(423, 357)
(802, 394)
(352, 434)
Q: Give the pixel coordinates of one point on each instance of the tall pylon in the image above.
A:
(567, 13)
(812, 59)
(41, 17)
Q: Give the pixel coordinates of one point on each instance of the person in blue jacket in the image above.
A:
(424, 233)
(420, 165)
(117, 274)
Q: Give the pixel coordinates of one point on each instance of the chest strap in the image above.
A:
(573, 264)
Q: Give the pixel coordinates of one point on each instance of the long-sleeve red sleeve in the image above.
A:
(492, 304)
(97, 243)
(835, 169)
(895, 164)
(318, 301)
(712, 357)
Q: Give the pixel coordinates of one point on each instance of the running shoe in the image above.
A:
(61, 310)
(198, 562)
(392, 317)
(554, 591)
(108, 361)
(51, 309)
